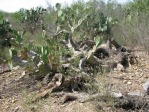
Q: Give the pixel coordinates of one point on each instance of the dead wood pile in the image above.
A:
(107, 56)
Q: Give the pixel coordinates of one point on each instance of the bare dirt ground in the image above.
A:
(16, 93)
(134, 77)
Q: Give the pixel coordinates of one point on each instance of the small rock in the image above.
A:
(39, 64)
(16, 67)
(135, 68)
(23, 73)
(125, 81)
(129, 83)
(146, 76)
(16, 109)
(117, 95)
(23, 63)
(13, 100)
(32, 53)
(66, 65)
(10, 73)
(120, 67)
(146, 86)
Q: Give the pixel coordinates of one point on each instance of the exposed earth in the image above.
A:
(17, 91)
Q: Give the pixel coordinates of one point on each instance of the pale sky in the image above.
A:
(15, 5)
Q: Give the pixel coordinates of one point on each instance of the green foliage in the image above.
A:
(133, 27)
(5, 33)
(83, 19)
(32, 19)
(99, 24)
(46, 55)
(79, 18)
(12, 52)
(19, 36)
(141, 6)
(137, 9)
(1, 15)
(16, 16)
(98, 40)
(71, 18)
(4, 27)
(49, 53)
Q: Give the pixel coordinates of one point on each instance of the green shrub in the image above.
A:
(32, 19)
(5, 33)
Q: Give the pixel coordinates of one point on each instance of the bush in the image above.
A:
(5, 33)
(32, 19)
